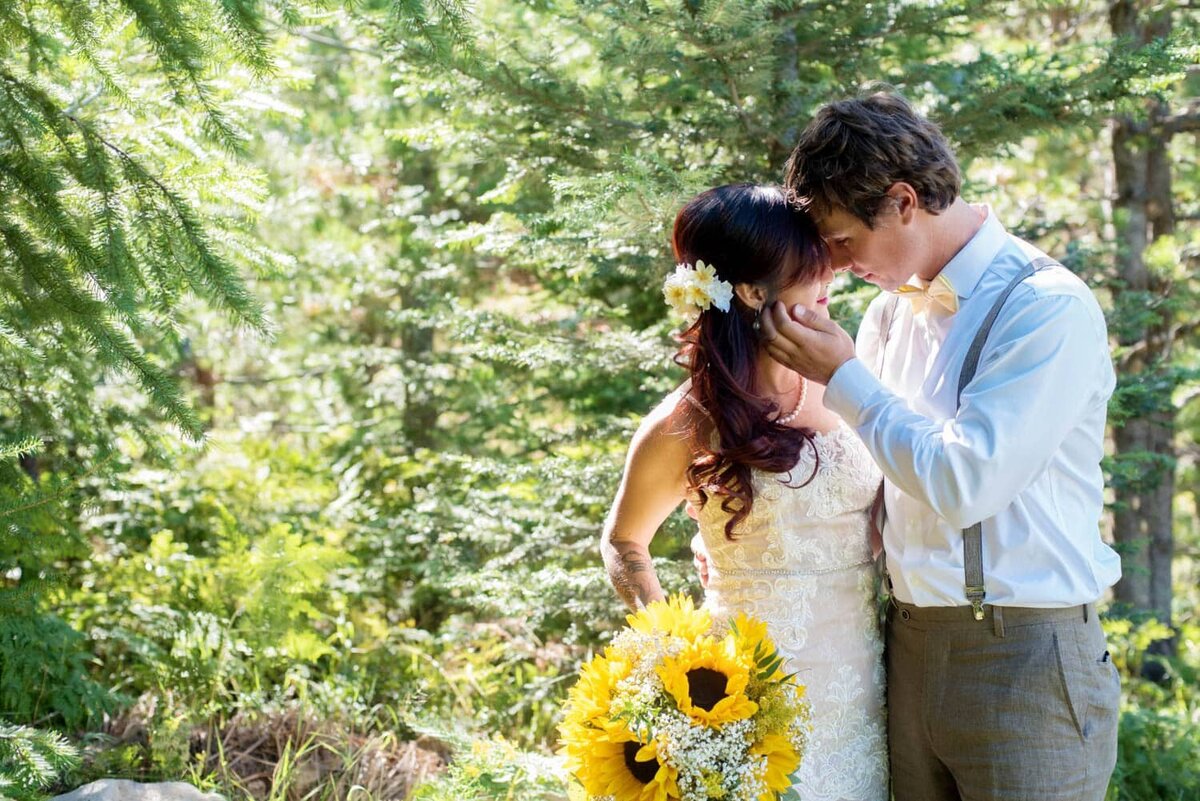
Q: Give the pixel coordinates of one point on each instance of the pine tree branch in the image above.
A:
(39, 498)
(1183, 122)
(446, 31)
(1147, 345)
(271, 379)
(79, 103)
(31, 759)
(328, 41)
(519, 89)
(90, 133)
(1188, 398)
(734, 97)
(23, 447)
(234, 294)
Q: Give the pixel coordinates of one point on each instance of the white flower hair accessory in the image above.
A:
(690, 290)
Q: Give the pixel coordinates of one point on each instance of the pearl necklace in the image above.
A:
(783, 421)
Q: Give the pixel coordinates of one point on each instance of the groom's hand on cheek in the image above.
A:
(812, 345)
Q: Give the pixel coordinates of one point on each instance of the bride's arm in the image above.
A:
(654, 484)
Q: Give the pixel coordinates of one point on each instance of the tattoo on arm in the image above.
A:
(632, 574)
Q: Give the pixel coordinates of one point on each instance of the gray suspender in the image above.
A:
(973, 536)
(885, 331)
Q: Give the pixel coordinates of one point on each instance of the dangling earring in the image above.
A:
(757, 324)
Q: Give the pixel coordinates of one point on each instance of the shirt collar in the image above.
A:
(971, 262)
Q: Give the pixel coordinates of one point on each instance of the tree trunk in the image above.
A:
(1143, 211)
(790, 105)
(420, 407)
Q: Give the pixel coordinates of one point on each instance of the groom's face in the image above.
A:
(876, 255)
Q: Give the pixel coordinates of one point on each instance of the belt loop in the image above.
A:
(997, 621)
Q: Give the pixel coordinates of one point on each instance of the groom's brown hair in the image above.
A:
(854, 150)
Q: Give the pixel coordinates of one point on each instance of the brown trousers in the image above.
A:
(1021, 706)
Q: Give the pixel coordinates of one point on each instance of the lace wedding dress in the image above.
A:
(801, 561)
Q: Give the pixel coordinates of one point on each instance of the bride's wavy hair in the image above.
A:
(750, 234)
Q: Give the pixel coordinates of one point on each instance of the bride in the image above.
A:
(780, 486)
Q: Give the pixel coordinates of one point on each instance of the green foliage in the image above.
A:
(98, 248)
(1158, 757)
(1158, 753)
(494, 770)
(231, 602)
(31, 760)
(120, 207)
(1129, 641)
(44, 672)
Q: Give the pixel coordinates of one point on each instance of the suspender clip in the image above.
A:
(975, 594)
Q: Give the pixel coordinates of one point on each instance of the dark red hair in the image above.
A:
(749, 234)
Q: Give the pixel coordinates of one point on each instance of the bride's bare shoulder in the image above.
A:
(679, 417)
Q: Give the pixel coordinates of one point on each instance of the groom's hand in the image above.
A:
(812, 345)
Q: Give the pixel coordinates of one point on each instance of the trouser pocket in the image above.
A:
(1090, 680)
(1099, 682)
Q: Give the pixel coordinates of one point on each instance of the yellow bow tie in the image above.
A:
(939, 291)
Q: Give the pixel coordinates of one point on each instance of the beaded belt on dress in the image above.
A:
(754, 572)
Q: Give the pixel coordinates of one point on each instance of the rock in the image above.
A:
(125, 790)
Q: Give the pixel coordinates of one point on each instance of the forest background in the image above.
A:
(324, 327)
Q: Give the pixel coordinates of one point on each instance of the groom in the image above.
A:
(980, 384)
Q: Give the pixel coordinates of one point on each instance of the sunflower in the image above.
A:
(621, 766)
(676, 617)
(750, 634)
(750, 642)
(591, 696)
(782, 761)
(708, 683)
(586, 718)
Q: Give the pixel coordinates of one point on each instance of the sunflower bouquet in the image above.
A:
(672, 712)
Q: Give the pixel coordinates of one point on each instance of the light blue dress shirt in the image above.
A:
(1023, 452)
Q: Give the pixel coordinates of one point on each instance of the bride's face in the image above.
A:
(812, 295)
